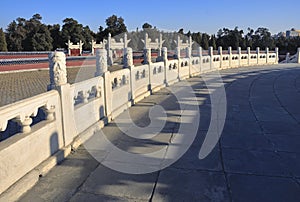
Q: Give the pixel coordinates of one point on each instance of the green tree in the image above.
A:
(72, 30)
(115, 25)
(213, 42)
(15, 34)
(100, 35)
(263, 38)
(205, 41)
(147, 26)
(56, 36)
(3, 45)
(28, 35)
(180, 31)
(197, 37)
(88, 36)
(38, 37)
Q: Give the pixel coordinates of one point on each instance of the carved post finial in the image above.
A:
(57, 69)
(164, 54)
(147, 56)
(128, 58)
(101, 62)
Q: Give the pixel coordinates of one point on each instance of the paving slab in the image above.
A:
(263, 188)
(190, 185)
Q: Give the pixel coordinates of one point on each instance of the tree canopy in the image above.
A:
(3, 45)
(33, 35)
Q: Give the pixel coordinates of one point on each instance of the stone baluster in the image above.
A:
(84, 96)
(49, 113)
(25, 123)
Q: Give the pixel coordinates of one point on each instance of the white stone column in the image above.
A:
(57, 69)
(267, 55)
(93, 46)
(101, 62)
(177, 53)
(188, 51)
(220, 52)
(80, 47)
(200, 51)
(210, 51)
(287, 57)
(147, 56)
(58, 81)
(249, 52)
(200, 57)
(277, 55)
(239, 50)
(211, 54)
(69, 47)
(298, 55)
(164, 51)
(230, 55)
(128, 58)
(160, 45)
(109, 51)
(257, 53)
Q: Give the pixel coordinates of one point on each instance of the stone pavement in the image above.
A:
(256, 159)
(20, 85)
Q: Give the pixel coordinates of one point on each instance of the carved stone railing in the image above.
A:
(33, 144)
(70, 110)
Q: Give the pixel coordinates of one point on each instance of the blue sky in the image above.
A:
(202, 15)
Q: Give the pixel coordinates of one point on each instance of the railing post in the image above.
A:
(240, 53)
(267, 55)
(58, 81)
(164, 52)
(230, 55)
(147, 56)
(109, 51)
(287, 57)
(220, 52)
(298, 55)
(211, 54)
(101, 62)
(257, 54)
(249, 54)
(200, 57)
(277, 55)
(128, 58)
(101, 70)
(80, 47)
(177, 53)
(57, 70)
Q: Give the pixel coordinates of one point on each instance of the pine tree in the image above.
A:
(3, 45)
